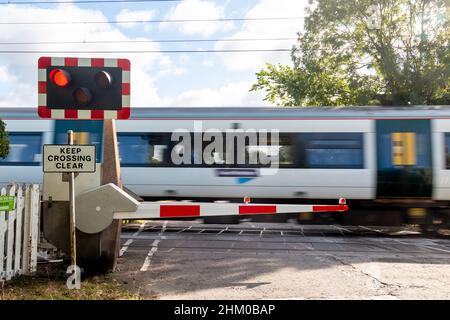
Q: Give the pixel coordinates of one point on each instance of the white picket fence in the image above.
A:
(19, 232)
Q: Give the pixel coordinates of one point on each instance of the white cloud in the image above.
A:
(19, 95)
(21, 90)
(143, 93)
(12, 91)
(5, 75)
(232, 94)
(265, 29)
(172, 71)
(198, 9)
(137, 15)
(208, 62)
(184, 59)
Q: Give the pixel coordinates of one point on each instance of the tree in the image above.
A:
(4, 143)
(366, 52)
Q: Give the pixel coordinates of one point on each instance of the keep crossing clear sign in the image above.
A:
(69, 158)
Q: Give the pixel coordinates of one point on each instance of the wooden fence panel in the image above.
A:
(10, 235)
(19, 231)
(18, 241)
(3, 226)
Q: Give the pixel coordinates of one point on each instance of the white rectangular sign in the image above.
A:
(67, 158)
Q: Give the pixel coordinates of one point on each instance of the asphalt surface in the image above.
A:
(190, 260)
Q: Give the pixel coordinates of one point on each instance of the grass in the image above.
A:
(41, 287)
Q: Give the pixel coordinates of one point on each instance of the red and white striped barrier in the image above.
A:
(154, 210)
(98, 207)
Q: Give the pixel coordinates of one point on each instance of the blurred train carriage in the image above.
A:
(391, 164)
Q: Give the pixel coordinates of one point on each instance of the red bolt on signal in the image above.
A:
(60, 77)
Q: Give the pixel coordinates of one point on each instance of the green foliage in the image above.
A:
(348, 55)
(4, 143)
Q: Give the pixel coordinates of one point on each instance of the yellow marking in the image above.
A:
(404, 148)
(305, 216)
(81, 137)
(397, 148)
(410, 149)
(417, 212)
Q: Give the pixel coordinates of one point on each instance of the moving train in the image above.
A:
(392, 164)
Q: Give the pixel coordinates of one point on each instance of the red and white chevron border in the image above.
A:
(45, 112)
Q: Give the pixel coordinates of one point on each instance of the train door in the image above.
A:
(404, 159)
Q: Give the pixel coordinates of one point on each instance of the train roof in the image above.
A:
(358, 112)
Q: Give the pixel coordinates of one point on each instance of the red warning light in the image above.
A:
(60, 77)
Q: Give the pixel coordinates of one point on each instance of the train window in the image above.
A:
(447, 150)
(281, 151)
(251, 151)
(146, 149)
(331, 150)
(25, 149)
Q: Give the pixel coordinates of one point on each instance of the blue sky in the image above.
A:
(158, 79)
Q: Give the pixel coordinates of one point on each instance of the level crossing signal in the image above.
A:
(83, 88)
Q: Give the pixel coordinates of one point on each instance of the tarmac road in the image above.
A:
(190, 260)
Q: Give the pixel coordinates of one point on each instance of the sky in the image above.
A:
(157, 78)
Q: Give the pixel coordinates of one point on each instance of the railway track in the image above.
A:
(275, 229)
(181, 237)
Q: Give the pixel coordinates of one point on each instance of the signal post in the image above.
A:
(89, 89)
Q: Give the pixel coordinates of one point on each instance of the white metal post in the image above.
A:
(73, 240)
